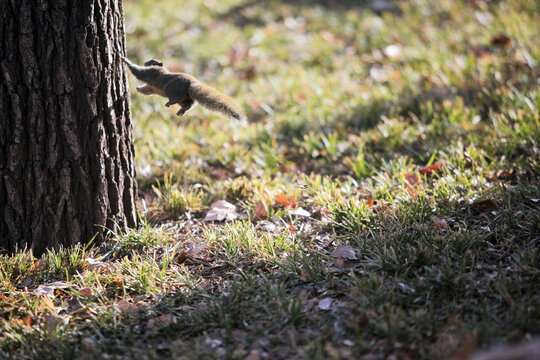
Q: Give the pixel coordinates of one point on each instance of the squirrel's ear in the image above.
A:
(153, 62)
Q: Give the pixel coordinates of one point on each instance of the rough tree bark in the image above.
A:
(66, 144)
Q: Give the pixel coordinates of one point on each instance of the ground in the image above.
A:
(382, 202)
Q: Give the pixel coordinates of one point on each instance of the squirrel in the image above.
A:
(182, 89)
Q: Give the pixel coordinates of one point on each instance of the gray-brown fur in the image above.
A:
(182, 89)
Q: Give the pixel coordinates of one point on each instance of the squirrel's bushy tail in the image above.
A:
(213, 100)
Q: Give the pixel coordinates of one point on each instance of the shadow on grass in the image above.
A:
(241, 20)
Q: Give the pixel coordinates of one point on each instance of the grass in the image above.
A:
(410, 137)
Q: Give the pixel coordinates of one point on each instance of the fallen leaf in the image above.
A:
(485, 205)
(51, 322)
(253, 355)
(39, 265)
(325, 304)
(162, 321)
(193, 252)
(531, 200)
(74, 304)
(340, 263)
(125, 306)
(325, 239)
(305, 276)
(221, 210)
(96, 265)
(344, 251)
(301, 212)
(260, 210)
(86, 292)
(501, 40)
(27, 320)
(49, 289)
(506, 174)
(432, 168)
(197, 249)
(412, 179)
(284, 201)
(440, 222)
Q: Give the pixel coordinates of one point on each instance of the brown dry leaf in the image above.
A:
(181, 257)
(49, 289)
(506, 174)
(74, 304)
(260, 210)
(370, 202)
(432, 168)
(412, 179)
(485, 205)
(253, 355)
(284, 201)
(305, 276)
(39, 265)
(501, 40)
(162, 321)
(184, 255)
(86, 292)
(440, 222)
(221, 210)
(27, 320)
(340, 263)
(125, 306)
(51, 322)
(344, 251)
(197, 249)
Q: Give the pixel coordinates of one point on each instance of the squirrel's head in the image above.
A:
(153, 62)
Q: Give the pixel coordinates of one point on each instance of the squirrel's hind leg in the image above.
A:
(176, 91)
(185, 106)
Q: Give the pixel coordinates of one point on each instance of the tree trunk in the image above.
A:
(67, 169)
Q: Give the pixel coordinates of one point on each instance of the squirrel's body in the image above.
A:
(182, 89)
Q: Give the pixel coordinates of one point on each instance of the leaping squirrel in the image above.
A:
(182, 89)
